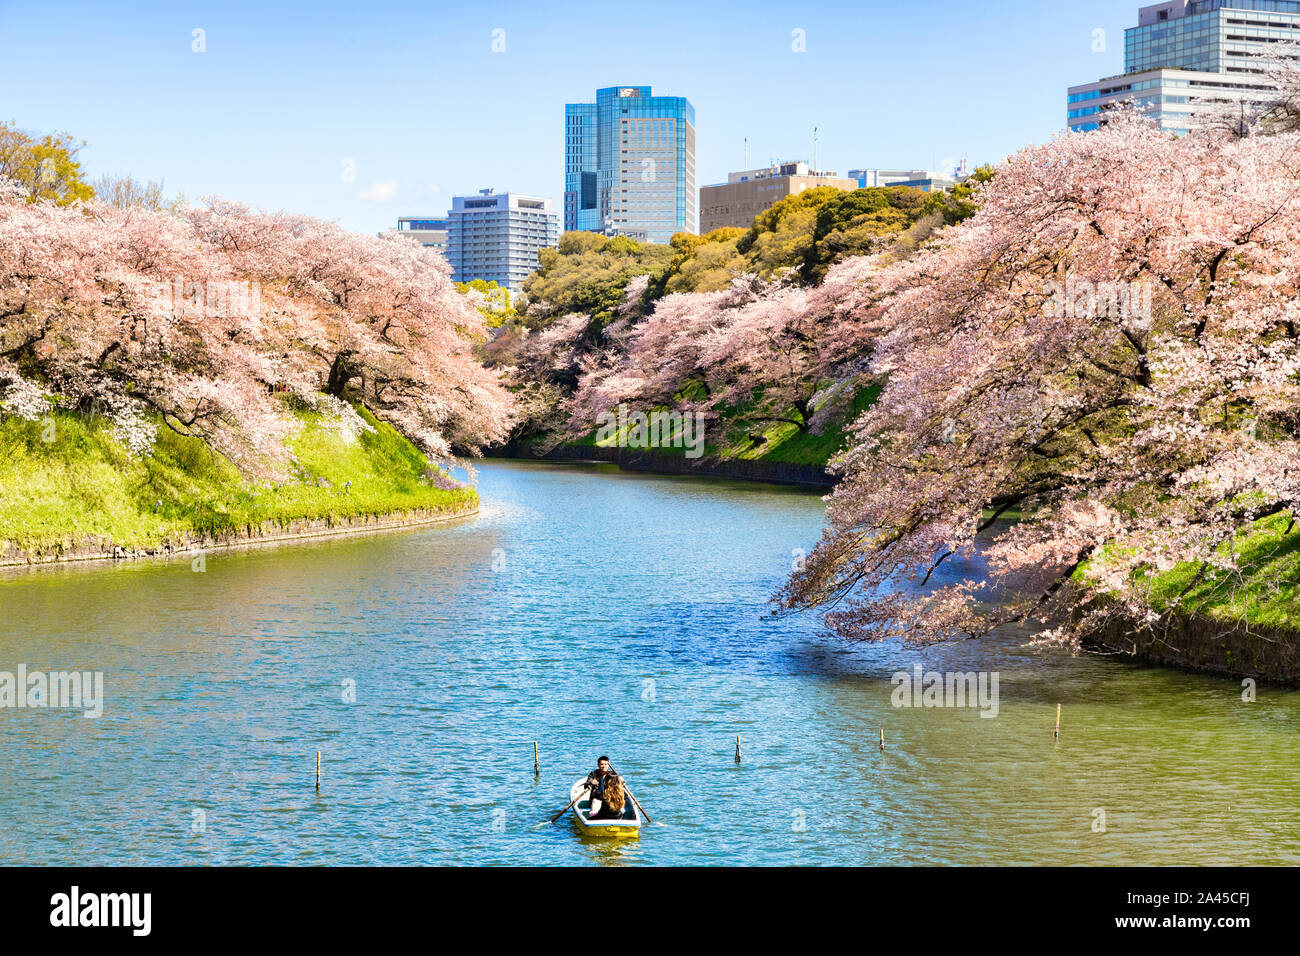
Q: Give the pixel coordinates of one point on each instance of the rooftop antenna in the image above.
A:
(814, 148)
(746, 166)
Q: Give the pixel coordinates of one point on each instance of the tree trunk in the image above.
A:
(341, 372)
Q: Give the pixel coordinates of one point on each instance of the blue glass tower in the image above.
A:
(629, 164)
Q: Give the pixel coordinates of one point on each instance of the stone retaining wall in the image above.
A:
(249, 536)
(637, 459)
(1207, 646)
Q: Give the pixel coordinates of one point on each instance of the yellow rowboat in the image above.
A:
(628, 825)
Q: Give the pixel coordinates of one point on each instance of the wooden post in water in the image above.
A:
(737, 748)
(318, 771)
(1056, 734)
(882, 739)
(537, 765)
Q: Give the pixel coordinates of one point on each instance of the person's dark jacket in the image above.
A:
(596, 781)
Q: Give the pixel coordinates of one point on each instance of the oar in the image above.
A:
(571, 803)
(638, 806)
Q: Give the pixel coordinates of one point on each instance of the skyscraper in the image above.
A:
(629, 164)
(1188, 56)
(496, 237)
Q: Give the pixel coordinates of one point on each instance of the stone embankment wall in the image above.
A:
(249, 536)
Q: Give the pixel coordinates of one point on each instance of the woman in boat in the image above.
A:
(613, 795)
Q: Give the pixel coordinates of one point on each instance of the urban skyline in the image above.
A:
(1185, 57)
(254, 118)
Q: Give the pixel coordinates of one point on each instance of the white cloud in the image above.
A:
(380, 192)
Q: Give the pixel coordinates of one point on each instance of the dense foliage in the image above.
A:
(1110, 350)
(196, 317)
(726, 322)
(587, 274)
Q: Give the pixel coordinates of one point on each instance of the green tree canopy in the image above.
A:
(961, 204)
(702, 263)
(496, 305)
(587, 273)
(46, 166)
(803, 234)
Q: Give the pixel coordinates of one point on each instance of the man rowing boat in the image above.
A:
(595, 779)
(607, 791)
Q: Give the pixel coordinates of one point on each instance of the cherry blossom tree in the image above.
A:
(386, 320)
(1109, 349)
(196, 318)
(762, 351)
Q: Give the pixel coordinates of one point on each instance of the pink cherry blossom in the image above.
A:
(198, 319)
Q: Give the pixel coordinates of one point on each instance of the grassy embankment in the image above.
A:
(1263, 590)
(782, 442)
(84, 484)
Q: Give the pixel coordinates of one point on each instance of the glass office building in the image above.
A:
(629, 164)
(1210, 36)
(1187, 56)
(496, 237)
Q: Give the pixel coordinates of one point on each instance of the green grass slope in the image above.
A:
(83, 484)
(1263, 590)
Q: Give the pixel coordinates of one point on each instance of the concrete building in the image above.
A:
(923, 179)
(428, 231)
(746, 194)
(629, 164)
(496, 237)
(1189, 57)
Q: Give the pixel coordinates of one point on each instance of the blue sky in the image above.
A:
(413, 95)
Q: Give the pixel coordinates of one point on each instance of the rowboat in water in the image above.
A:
(628, 825)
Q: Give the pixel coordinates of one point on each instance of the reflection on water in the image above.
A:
(593, 611)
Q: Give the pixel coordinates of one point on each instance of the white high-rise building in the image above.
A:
(1189, 58)
(497, 236)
